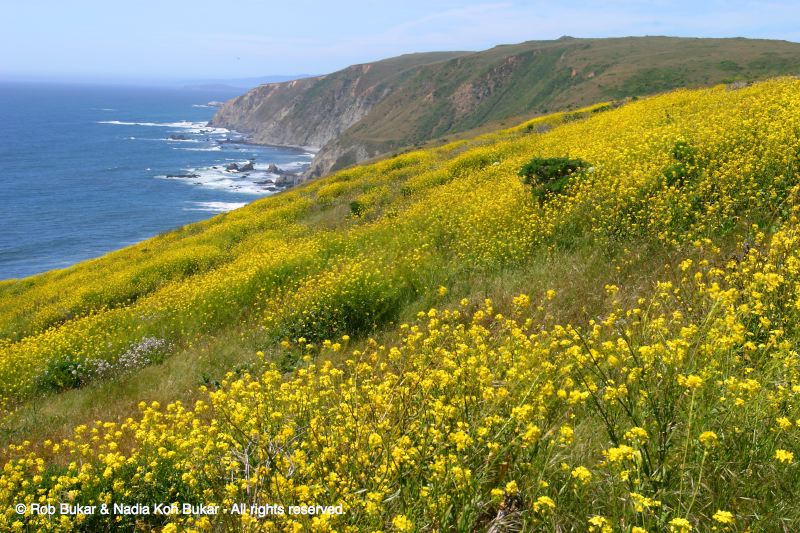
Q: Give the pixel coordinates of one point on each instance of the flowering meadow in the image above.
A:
(439, 349)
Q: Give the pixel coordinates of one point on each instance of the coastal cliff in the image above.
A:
(280, 113)
(312, 112)
(368, 110)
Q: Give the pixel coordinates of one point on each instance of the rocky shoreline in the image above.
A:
(276, 179)
(267, 176)
(285, 178)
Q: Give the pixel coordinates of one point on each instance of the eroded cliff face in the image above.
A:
(309, 112)
(262, 113)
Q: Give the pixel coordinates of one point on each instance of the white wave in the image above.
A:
(182, 124)
(200, 105)
(215, 207)
(211, 149)
(191, 127)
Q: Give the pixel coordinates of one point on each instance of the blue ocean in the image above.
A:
(88, 169)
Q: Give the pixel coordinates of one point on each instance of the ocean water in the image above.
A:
(85, 169)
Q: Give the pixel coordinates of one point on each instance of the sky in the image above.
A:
(166, 40)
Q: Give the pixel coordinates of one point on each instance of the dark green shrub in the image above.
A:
(66, 372)
(550, 175)
(685, 167)
(684, 152)
(676, 174)
(357, 208)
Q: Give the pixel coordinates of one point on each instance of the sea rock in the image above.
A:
(274, 169)
(178, 137)
(247, 167)
(232, 167)
(183, 176)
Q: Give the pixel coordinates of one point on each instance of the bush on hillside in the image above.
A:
(63, 373)
(685, 164)
(550, 175)
(357, 208)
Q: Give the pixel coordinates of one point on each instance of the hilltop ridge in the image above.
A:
(375, 108)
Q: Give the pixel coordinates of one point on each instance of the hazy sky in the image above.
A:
(185, 39)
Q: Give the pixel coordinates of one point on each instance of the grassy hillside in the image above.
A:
(368, 110)
(541, 76)
(435, 344)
